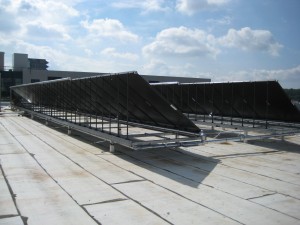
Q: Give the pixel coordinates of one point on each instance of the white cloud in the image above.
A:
(156, 67)
(88, 52)
(248, 39)
(51, 31)
(182, 69)
(56, 10)
(226, 20)
(183, 42)
(287, 77)
(186, 43)
(109, 28)
(7, 22)
(146, 5)
(190, 7)
(37, 19)
(41, 10)
(62, 60)
(113, 53)
(282, 74)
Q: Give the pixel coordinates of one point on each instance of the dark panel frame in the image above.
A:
(259, 100)
(116, 97)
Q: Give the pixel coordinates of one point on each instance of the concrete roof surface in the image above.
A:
(49, 177)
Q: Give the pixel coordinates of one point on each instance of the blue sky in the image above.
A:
(220, 39)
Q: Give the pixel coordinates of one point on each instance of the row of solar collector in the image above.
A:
(128, 97)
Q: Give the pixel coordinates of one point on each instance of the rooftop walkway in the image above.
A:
(49, 177)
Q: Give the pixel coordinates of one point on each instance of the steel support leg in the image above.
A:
(245, 136)
(112, 147)
(203, 137)
(69, 131)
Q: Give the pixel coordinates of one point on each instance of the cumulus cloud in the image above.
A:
(62, 60)
(7, 23)
(248, 39)
(182, 69)
(182, 41)
(190, 7)
(145, 6)
(195, 43)
(88, 52)
(113, 53)
(109, 28)
(226, 20)
(41, 10)
(37, 18)
(55, 11)
(289, 77)
(282, 74)
(156, 67)
(51, 31)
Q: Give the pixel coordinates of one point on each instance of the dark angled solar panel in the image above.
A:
(257, 100)
(123, 96)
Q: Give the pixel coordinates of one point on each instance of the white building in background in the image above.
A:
(30, 70)
(35, 70)
(20, 61)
